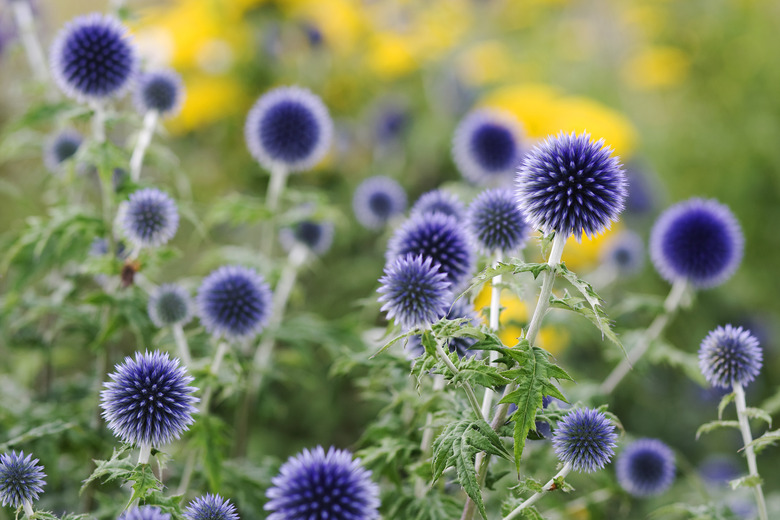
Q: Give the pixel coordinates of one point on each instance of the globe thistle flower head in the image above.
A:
(319, 485)
(439, 237)
(170, 304)
(234, 301)
(20, 479)
(210, 507)
(486, 147)
(718, 470)
(496, 223)
(572, 185)
(315, 236)
(289, 127)
(377, 200)
(93, 58)
(391, 121)
(150, 218)
(161, 91)
(461, 344)
(439, 201)
(646, 467)
(415, 291)
(586, 439)
(697, 240)
(730, 355)
(625, 252)
(145, 513)
(60, 147)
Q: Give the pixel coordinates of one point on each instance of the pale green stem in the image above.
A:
(427, 440)
(28, 510)
(98, 122)
(143, 142)
(275, 187)
(32, 46)
(144, 453)
(495, 319)
(750, 454)
(472, 398)
(181, 344)
(516, 512)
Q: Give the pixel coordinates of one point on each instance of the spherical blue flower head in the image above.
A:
(486, 147)
(730, 355)
(170, 304)
(61, 147)
(148, 400)
(93, 58)
(234, 301)
(288, 126)
(439, 201)
(315, 485)
(718, 470)
(462, 345)
(441, 238)
(145, 513)
(625, 252)
(316, 236)
(210, 507)
(20, 479)
(377, 200)
(646, 467)
(391, 122)
(697, 240)
(571, 184)
(496, 223)
(642, 194)
(586, 439)
(99, 247)
(150, 218)
(415, 291)
(160, 90)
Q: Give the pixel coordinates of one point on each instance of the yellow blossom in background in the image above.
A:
(485, 63)
(656, 67)
(389, 56)
(532, 104)
(209, 99)
(342, 22)
(585, 255)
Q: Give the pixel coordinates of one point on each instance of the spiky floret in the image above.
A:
(730, 355)
(440, 237)
(572, 185)
(148, 400)
(486, 146)
(170, 304)
(20, 479)
(93, 58)
(646, 467)
(697, 240)
(234, 301)
(414, 290)
(377, 200)
(160, 90)
(319, 485)
(145, 513)
(496, 223)
(586, 439)
(439, 201)
(210, 507)
(316, 236)
(625, 252)
(290, 127)
(60, 147)
(149, 218)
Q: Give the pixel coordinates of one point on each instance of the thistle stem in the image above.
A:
(495, 309)
(145, 453)
(32, 46)
(549, 486)
(275, 187)
(472, 398)
(181, 344)
(214, 370)
(750, 454)
(427, 439)
(98, 122)
(28, 510)
(143, 142)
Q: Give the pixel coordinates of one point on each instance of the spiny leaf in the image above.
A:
(724, 402)
(513, 266)
(758, 413)
(766, 440)
(119, 466)
(746, 481)
(714, 425)
(51, 428)
(144, 482)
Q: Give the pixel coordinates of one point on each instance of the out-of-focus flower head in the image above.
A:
(377, 200)
(60, 147)
(439, 201)
(487, 147)
(161, 90)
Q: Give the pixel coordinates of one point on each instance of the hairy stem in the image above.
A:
(144, 453)
(472, 398)
(495, 309)
(26, 505)
(98, 122)
(143, 142)
(427, 440)
(750, 454)
(275, 188)
(182, 345)
(549, 486)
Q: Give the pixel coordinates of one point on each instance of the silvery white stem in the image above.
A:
(145, 453)
(427, 439)
(98, 122)
(472, 398)
(143, 142)
(32, 46)
(539, 494)
(28, 510)
(275, 187)
(181, 343)
(750, 454)
(495, 309)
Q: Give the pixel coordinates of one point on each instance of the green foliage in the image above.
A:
(435, 505)
(770, 438)
(501, 268)
(118, 467)
(746, 481)
(715, 425)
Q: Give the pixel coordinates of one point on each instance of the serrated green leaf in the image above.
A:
(118, 467)
(714, 425)
(513, 266)
(57, 426)
(766, 440)
(433, 506)
(724, 402)
(144, 482)
(758, 413)
(746, 481)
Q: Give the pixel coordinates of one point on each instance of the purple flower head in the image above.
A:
(718, 470)
(145, 513)
(93, 58)
(148, 400)
(697, 240)
(377, 200)
(414, 290)
(60, 147)
(20, 479)
(150, 218)
(170, 304)
(646, 467)
(234, 302)
(585, 438)
(439, 201)
(625, 252)
(210, 507)
(572, 185)
(318, 485)
(441, 238)
(486, 147)
(290, 127)
(161, 90)
(461, 344)
(391, 121)
(316, 236)
(730, 355)
(496, 223)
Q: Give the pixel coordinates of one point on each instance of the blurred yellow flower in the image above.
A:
(532, 104)
(485, 63)
(390, 56)
(342, 22)
(208, 99)
(656, 67)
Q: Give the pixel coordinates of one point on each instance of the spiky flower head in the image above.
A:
(315, 236)
(93, 58)
(148, 400)
(460, 344)
(377, 200)
(415, 291)
(170, 304)
(20, 479)
(319, 485)
(486, 147)
(439, 201)
(625, 252)
(60, 147)
(572, 185)
(586, 439)
(234, 301)
(210, 507)
(441, 238)
(697, 240)
(149, 218)
(145, 513)
(646, 467)
(496, 223)
(289, 127)
(730, 355)
(161, 91)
